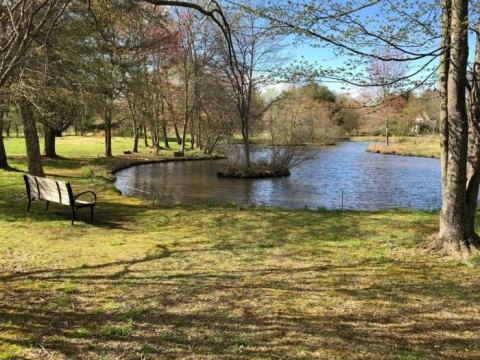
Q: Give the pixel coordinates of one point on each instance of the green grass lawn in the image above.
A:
(224, 282)
(82, 146)
(409, 146)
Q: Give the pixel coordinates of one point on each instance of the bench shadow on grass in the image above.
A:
(102, 217)
(107, 214)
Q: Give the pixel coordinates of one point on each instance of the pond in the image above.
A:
(368, 182)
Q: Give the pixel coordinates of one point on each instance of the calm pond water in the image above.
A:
(369, 182)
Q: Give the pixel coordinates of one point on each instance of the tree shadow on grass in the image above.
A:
(308, 291)
(238, 314)
(12, 169)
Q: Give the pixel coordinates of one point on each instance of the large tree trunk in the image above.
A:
(199, 128)
(154, 137)
(3, 153)
(50, 150)
(7, 127)
(145, 136)
(443, 89)
(164, 126)
(136, 137)
(473, 164)
(165, 135)
(108, 131)
(192, 136)
(83, 120)
(177, 133)
(34, 158)
(455, 234)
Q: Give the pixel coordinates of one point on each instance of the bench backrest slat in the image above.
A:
(32, 187)
(50, 190)
(65, 193)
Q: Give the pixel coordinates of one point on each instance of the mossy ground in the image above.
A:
(224, 282)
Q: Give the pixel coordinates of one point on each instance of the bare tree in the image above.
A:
(241, 54)
(256, 50)
(384, 73)
(22, 22)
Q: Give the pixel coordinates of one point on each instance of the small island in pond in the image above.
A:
(252, 173)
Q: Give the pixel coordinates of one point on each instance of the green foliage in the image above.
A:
(317, 92)
(146, 349)
(112, 305)
(88, 171)
(81, 332)
(10, 352)
(134, 313)
(68, 288)
(475, 261)
(117, 330)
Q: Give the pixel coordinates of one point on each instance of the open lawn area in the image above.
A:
(150, 282)
(88, 147)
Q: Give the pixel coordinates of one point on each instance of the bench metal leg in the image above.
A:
(29, 204)
(46, 206)
(91, 214)
(73, 215)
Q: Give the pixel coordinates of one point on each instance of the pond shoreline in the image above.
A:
(396, 153)
(137, 162)
(424, 147)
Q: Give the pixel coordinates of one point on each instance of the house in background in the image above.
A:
(423, 124)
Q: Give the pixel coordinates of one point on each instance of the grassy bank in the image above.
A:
(224, 282)
(80, 152)
(409, 146)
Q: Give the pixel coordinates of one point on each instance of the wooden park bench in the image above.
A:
(60, 192)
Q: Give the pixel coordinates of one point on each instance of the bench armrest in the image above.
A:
(87, 192)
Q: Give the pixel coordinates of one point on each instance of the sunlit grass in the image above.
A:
(83, 146)
(409, 146)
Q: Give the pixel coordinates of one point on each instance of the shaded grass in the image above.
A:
(224, 282)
